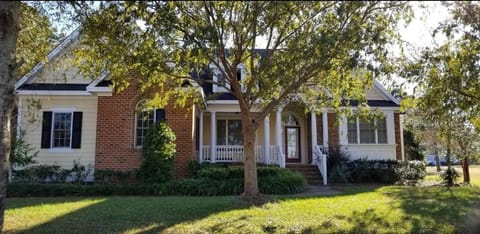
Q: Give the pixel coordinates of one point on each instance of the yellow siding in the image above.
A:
(61, 71)
(372, 94)
(32, 124)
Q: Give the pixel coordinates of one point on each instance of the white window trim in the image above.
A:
(52, 135)
(226, 128)
(357, 120)
(136, 126)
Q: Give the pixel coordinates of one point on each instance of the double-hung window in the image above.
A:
(229, 132)
(61, 129)
(367, 131)
(145, 119)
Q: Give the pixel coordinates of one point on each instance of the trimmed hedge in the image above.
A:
(208, 180)
(190, 187)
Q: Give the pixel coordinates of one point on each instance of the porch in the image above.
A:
(234, 153)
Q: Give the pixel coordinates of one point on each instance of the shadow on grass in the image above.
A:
(436, 204)
(121, 214)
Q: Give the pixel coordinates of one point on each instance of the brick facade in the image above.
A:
(115, 147)
(398, 142)
(333, 138)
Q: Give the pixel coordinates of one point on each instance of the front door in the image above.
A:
(292, 144)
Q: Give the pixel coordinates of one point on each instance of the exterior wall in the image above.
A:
(398, 136)
(31, 123)
(115, 132)
(372, 151)
(182, 120)
(61, 71)
(372, 94)
(115, 148)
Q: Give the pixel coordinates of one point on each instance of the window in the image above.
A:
(144, 120)
(61, 129)
(362, 131)
(229, 132)
(220, 81)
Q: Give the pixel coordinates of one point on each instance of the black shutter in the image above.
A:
(46, 130)
(77, 130)
(159, 115)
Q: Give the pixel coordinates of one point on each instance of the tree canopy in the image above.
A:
(323, 52)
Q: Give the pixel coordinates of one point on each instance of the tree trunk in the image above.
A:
(250, 166)
(9, 26)
(466, 171)
(437, 162)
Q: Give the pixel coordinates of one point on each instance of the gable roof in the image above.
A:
(101, 84)
(56, 52)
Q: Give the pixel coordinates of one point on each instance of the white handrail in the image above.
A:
(234, 153)
(320, 159)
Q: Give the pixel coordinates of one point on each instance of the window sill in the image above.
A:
(60, 150)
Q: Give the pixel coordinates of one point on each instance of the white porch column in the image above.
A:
(266, 139)
(325, 128)
(213, 137)
(200, 138)
(278, 135)
(313, 118)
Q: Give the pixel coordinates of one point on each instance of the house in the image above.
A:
(73, 118)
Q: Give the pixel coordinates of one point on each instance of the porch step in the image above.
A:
(310, 172)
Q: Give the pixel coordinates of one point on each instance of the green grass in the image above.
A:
(361, 208)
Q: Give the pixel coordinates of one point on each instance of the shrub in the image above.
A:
(22, 153)
(229, 180)
(109, 176)
(158, 152)
(337, 165)
(41, 174)
(410, 172)
(293, 183)
(449, 177)
(379, 171)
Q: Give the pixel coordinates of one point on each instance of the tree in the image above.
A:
(9, 27)
(467, 144)
(25, 39)
(448, 74)
(323, 51)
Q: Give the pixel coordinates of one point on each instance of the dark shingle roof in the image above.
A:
(380, 103)
(104, 83)
(55, 87)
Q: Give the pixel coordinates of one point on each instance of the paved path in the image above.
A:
(318, 190)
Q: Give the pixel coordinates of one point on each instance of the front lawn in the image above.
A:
(360, 209)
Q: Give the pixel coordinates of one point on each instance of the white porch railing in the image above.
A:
(320, 159)
(234, 153)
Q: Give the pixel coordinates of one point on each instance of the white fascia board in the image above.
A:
(53, 54)
(222, 102)
(91, 87)
(380, 108)
(382, 90)
(54, 92)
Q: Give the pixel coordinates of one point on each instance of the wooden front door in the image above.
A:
(292, 144)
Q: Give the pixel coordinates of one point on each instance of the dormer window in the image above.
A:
(220, 83)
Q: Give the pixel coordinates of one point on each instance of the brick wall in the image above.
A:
(116, 128)
(398, 142)
(333, 139)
